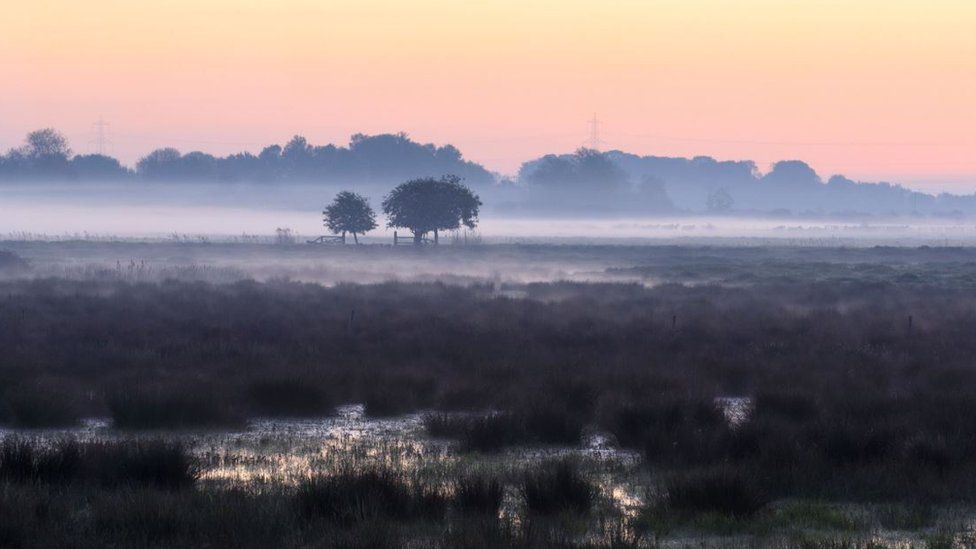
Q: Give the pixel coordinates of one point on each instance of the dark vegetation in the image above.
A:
(478, 495)
(190, 405)
(715, 491)
(364, 495)
(851, 399)
(12, 264)
(586, 182)
(144, 493)
(861, 386)
(349, 212)
(557, 487)
(539, 423)
(431, 205)
(385, 158)
(154, 463)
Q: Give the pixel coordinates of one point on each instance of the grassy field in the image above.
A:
(850, 375)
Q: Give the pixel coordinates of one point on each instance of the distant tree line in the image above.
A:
(592, 179)
(585, 182)
(380, 159)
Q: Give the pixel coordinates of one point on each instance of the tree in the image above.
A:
(46, 144)
(45, 153)
(159, 164)
(349, 212)
(719, 201)
(428, 204)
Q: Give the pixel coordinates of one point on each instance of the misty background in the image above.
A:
(50, 191)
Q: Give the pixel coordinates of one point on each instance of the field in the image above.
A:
(247, 394)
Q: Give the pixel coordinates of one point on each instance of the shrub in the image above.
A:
(171, 408)
(352, 497)
(672, 431)
(478, 433)
(158, 463)
(478, 495)
(495, 431)
(38, 406)
(288, 397)
(557, 487)
(714, 491)
(552, 423)
(130, 462)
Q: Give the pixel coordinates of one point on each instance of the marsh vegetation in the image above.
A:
(666, 396)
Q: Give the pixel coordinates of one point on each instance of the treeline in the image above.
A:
(585, 182)
(790, 187)
(381, 159)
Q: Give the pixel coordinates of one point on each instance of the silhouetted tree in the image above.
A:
(350, 212)
(46, 143)
(425, 205)
(45, 153)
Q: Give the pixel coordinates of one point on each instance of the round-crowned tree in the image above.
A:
(431, 205)
(349, 212)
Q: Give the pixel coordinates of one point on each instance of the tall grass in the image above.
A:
(478, 495)
(872, 412)
(157, 463)
(720, 490)
(557, 487)
(359, 496)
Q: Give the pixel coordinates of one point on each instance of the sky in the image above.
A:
(874, 89)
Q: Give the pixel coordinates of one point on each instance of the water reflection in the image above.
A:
(283, 452)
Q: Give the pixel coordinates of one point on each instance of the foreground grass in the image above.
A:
(862, 406)
(144, 493)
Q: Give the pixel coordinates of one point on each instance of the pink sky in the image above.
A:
(877, 90)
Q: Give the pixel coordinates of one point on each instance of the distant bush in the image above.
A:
(720, 491)
(142, 462)
(557, 487)
(671, 430)
(353, 497)
(478, 495)
(171, 408)
(39, 406)
(288, 397)
(478, 433)
(495, 431)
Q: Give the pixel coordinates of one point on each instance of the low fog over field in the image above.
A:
(586, 195)
(232, 211)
